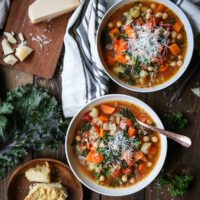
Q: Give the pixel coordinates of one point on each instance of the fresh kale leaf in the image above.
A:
(107, 156)
(137, 143)
(6, 108)
(86, 126)
(3, 122)
(30, 119)
(97, 175)
(123, 164)
(124, 36)
(85, 152)
(107, 137)
(175, 120)
(127, 113)
(126, 75)
(178, 184)
(115, 35)
(137, 67)
(107, 172)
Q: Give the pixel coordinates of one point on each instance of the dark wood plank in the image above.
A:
(58, 153)
(88, 194)
(136, 196)
(53, 85)
(178, 157)
(10, 79)
(46, 38)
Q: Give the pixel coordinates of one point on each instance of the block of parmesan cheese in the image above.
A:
(41, 10)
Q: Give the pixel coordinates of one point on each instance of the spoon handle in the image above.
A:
(181, 139)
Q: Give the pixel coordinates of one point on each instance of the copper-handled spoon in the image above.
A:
(181, 139)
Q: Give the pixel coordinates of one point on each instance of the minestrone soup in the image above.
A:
(144, 44)
(112, 148)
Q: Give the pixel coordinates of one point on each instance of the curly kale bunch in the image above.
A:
(30, 119)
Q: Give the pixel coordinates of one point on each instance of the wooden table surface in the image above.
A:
(177, 156)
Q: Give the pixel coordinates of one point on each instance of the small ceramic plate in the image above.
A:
(18, 185)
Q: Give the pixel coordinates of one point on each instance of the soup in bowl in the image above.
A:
(109, 151)
(145, 45)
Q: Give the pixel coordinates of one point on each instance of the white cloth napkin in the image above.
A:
(83, 79)
(4, 7)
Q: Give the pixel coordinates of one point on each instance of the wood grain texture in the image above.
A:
(178, 157)
(10, 79)
(46, 38)
(53, 85)
(4, 182)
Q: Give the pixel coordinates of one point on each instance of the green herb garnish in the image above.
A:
(124, 36)
(85, 152)
(126, 75)
(123, 164)
(137, 67)
(137, 143)
(107, 137)
(86, 126)
(175, 120)
(127, 113)
(178, 184)
(107, 172)
(115, 35)
(97, 175)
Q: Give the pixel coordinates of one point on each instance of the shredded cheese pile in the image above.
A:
(120, 144)
(148, 43)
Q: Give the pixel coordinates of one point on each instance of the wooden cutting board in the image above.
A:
(46, 38)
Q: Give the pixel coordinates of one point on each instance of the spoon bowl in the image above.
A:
(181, 139)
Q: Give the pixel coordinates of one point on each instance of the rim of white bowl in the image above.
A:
(180, 72)
(91, 184)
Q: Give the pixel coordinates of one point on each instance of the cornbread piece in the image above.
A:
(51, 191)
(41, 10)
(40, 174)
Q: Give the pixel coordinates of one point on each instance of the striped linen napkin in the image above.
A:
(83, 79)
